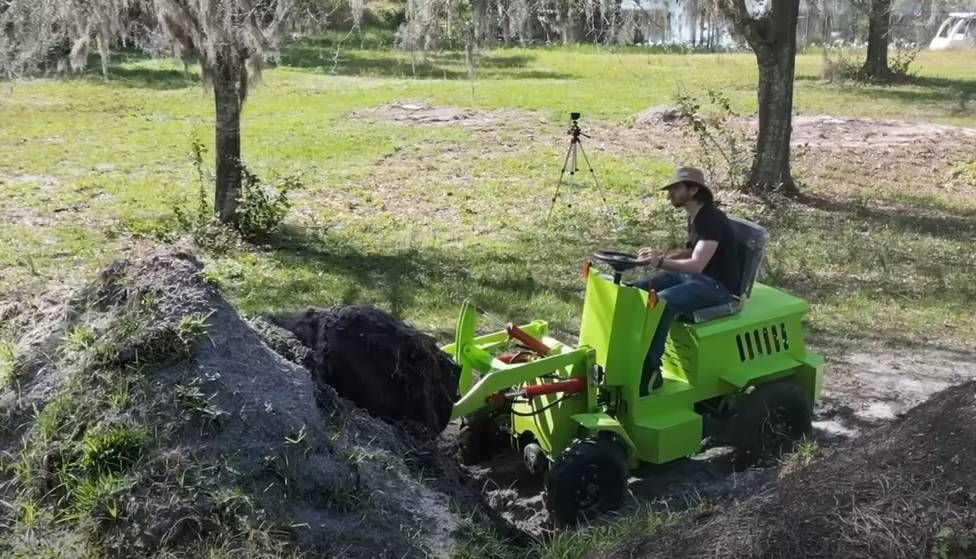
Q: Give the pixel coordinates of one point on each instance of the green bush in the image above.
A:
(263, 206)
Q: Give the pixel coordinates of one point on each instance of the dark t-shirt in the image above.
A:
(711, 224)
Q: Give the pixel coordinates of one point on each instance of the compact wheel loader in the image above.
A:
(740, 373)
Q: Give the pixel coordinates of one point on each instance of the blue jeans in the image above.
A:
(684, 294)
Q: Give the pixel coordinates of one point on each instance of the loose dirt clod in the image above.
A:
(903, 490)
(382, 365)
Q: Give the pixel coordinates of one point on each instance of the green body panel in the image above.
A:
(596, 423)
(761, 343)
(551, 426)
(618, 324)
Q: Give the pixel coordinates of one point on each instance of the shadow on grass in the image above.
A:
(910, 257)
(399, 64)
(403, 275)
(924, 89)
(960, 225)
(152, 78)
(125, 70)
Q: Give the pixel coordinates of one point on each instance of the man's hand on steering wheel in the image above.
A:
(647, 256)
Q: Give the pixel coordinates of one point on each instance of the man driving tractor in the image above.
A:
(704, 274)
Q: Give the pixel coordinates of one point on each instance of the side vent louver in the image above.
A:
(753, 344)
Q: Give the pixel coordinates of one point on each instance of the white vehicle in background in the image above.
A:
(958, 31)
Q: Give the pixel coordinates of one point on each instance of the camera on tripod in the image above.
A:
(570, 165)
(574, 129)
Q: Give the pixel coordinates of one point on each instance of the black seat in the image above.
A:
(751, 246)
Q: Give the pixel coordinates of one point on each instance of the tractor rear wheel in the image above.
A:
(588, 479)
(773, 417)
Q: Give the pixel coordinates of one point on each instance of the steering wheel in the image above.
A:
(619, 261)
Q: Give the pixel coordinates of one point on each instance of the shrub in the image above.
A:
(262, 206)
(723, 149)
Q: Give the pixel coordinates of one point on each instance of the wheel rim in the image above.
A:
(777, 430)
(590, 493)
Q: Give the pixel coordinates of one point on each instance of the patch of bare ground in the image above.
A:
(420, 112)
(869, 384)
(913, 167)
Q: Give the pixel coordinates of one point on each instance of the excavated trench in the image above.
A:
(379, 363)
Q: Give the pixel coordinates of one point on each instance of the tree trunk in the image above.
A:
(879, 25)
(772, 36)
(771, 165)
(568, 22)
(228, 96)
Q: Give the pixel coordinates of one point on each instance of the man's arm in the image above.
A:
(649, 252)
(693, 264)
(680, 254)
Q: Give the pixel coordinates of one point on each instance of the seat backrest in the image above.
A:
(751, 238)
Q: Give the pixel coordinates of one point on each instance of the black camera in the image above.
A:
(574, 116)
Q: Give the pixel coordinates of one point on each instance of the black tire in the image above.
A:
(478, 439)
(588, 479)
(772, 418)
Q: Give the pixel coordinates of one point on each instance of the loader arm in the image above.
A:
(501, 379)
(473, 353)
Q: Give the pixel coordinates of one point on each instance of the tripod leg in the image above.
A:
(559, 183)
(606, 204)
(574, 165)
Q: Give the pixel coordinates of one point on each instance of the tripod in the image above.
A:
(570, 164)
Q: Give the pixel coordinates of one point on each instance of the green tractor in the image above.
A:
(739, 373)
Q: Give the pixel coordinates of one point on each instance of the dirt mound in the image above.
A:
(146, 419)
(660, 114)
(379, 363)
(903, 490)
(409, 112)
(846, 132)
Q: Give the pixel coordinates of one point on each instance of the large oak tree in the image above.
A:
(879, 30)
(232, 39)
(771, 34)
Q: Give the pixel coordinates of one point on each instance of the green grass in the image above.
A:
(414, 219)
(8, 361)
(616, 535)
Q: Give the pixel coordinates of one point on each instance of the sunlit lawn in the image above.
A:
(415, 218)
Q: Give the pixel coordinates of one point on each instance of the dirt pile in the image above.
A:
(904, 490)
(145, 418)
(419, 112)
(837, 133)
(379, 363)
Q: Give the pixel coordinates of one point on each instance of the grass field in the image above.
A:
(415, 218)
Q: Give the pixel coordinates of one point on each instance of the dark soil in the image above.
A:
(906, 489)
(245, 454)
(376, 361)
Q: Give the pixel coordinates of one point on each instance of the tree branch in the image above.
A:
(750, 28)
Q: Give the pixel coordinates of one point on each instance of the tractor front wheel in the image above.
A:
(588, 479)
(478, 439)
(772, 418)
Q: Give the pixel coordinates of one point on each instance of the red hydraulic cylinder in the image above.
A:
(527, 339)
(570, 386)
